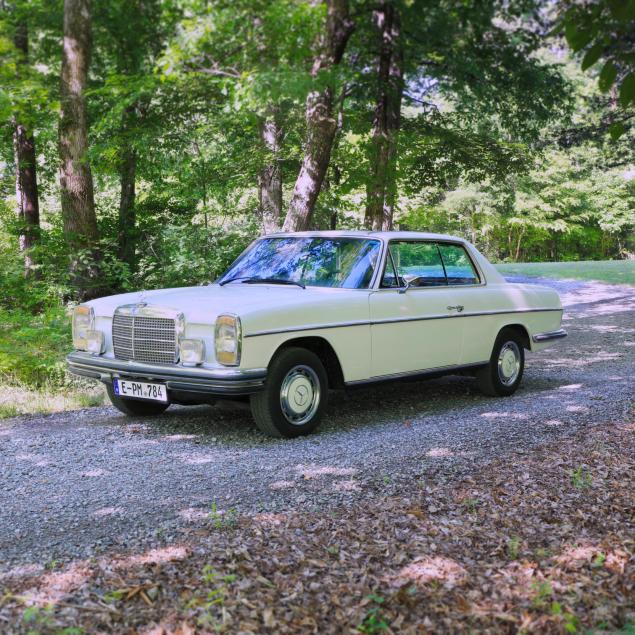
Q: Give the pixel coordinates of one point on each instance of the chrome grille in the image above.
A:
(144, 339)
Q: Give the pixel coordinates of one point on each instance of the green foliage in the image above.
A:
(602, 30)
(581, 478)
(32, 348)
(227, 519)
(374, 621)
(501, 141)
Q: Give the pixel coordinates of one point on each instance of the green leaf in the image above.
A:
(592, 56)
(627, 90)
(607, 76)
(616, 130)
(622, 10)
(576, 38)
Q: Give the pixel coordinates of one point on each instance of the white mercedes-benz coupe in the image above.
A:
(299, 314)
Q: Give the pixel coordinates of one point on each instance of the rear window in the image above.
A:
(458, 266)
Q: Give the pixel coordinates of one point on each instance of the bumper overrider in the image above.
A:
(217, 381)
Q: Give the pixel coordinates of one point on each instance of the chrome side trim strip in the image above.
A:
(458, 315)
(416, 373)
(316, 327)
(551, 335)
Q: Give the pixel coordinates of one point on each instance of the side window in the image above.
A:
(458, 266)
(417, 263)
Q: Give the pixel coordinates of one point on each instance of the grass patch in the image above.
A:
(610, 271)
(20, 400)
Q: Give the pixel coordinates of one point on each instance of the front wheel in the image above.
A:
(135, 407)
(295, 395)
(501, 377)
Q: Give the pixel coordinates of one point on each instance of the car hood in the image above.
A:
(253, 303)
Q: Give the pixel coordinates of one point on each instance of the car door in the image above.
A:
(466, 286)
(410, 314)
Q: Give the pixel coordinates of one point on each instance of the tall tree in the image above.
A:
(76, 180)
(26, 189)
(128, 36)
(270, 178)
(381, 187)
(321, 123)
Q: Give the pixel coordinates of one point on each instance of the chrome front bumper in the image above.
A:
(551, 335)
(218, 381)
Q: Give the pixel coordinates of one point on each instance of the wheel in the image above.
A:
(135, 407)
(501, 377)
(295, 395)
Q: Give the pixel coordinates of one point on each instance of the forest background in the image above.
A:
(145, 143)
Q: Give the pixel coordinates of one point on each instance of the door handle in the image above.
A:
(458, 308)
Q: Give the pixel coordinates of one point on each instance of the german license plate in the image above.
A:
(140, 390)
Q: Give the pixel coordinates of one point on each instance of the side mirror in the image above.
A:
(405, 287)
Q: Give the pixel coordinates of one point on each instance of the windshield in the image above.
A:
(347, 263)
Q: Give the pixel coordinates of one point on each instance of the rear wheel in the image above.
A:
(501, 377)
(135, 407)
(295, 395)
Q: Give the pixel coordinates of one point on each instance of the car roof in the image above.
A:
(382, 235)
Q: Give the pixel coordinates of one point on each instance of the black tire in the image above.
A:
(135, 407)
(497, 379)
(293, 373)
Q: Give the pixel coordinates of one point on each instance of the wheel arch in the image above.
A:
(522, 332)
(324, 350)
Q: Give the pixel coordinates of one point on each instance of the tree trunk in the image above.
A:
(270, 179)
(127, 212)
(320, 121)
(381, 190)
(26, 190)
(76, 181)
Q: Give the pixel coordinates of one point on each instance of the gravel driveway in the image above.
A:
(84, 483)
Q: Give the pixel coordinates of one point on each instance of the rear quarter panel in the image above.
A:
(536, 308)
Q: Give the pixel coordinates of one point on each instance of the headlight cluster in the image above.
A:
(228, 339)
(85, 338)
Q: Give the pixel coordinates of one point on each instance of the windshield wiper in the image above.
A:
(224, 282)
(253, 280)
(273, 281)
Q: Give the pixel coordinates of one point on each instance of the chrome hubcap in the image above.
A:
(300, 395)
(509, 363)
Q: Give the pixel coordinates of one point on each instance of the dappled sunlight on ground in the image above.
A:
(54, 586)
(268, 519)
(153, 556)
(579, 556)
(192, 514)
(315, 471)
(179, 437)
(36, 459)
(194, 459)
(108, 511)
(439, 453)
(96, 473)
(504, 415)
(346, 486)
(436, 569)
